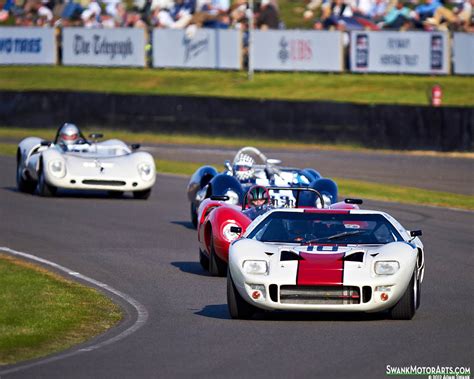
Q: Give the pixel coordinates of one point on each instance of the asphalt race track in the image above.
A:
(147, 250)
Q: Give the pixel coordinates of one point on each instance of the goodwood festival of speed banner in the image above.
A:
(27, 46)
(297, 50)
(202, 48)
(400, 52)
(104, 47)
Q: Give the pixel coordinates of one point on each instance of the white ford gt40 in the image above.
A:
(109, 165)
(325, 260)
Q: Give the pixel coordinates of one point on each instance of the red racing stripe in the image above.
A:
(320, 270)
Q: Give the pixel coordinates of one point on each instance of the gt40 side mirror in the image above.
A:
(236, 229)
(416, 233)
(135, 146)
(353, 201)
(96, 135)
(45, 143)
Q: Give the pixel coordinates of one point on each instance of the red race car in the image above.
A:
(220, 223)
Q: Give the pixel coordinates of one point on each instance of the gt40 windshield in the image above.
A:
(309, 228)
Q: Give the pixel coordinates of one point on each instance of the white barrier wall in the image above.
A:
(298, 50)
(27, 46)
(400, 52)
(104, 47)
(463, 53)
(206, 48)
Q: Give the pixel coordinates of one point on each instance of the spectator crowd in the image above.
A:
(453, 15)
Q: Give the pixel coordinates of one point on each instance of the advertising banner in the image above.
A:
(463, 53)
(27, 46)
(203, 48)
(400, 52)
(297, 50)
(104, 47)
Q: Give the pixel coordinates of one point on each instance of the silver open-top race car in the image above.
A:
(325, 260)
(73, 162)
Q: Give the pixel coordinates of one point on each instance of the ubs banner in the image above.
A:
(104, 47)
(297, 50)
(27, 46)
(463, 49)
(205, 48)
(400, 52)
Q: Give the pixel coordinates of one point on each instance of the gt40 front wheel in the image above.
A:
(238, 307)
(405, 309)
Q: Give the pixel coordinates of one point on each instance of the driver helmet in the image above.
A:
(69, 134)
(243, 167)
(257, 197)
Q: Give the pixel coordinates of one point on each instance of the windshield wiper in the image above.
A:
(336, 236)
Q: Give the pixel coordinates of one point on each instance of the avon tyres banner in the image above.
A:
(297, 50)
(463, 51)
(104, 47)
(203, 48)
(400, 52)
(27, 46)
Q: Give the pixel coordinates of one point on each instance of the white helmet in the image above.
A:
(243, 169)
(69, 134)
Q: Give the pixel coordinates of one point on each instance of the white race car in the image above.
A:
(88, 165)
(325, 260)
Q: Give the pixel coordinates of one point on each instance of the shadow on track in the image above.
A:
(220, 311)
(191, 268)
(186, 224)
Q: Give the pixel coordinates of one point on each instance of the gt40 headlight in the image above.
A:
(233, 197)
(228, 234)
(146, 171)
(255, 267)
(386, 267)
(57, 168)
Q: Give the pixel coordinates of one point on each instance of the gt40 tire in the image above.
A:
(238, 307)
(203, 260)
(217, 267)
(142, 195)
(44, 189)
(23, 184)
(405, 309)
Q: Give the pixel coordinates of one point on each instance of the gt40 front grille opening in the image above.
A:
(93, 182)
(274, 292)
(366, 294)
(319, 295)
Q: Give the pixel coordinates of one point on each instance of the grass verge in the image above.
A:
(16, 134)
(366, 89)
(347, 187)
(42, 313)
